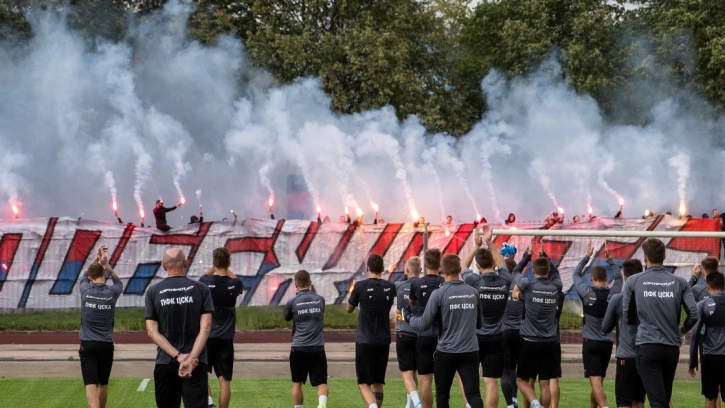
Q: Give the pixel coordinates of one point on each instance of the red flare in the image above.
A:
(478, 218)
(16, 211)
(5, 267)
(115, 206)
(142, 213)
(561, 210)
(271, 202)
(414, 214)
(591, 210)
(375, 207)
(319, 209)
(621, 201)
(183, 200)
(359, 212)
(683, 209)
(347, 211)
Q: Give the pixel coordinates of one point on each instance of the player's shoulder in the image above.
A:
(616, 298)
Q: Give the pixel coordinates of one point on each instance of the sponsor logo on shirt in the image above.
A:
(98, 298)
(309, 303)
(659, 283)
(461, 296)
(176, 290)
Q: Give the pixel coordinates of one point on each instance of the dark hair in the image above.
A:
(654, 250)
(96, 270)
(451, 264)
(705, 215)
(511, 215)
(433, 259)
(302, 279)
(375, 264)
(599, 274)
(194, 219)
(510, 264)
(484, 258)
(631, 266)
(221, 257)
(542, 266)
(710, 264)
(715, 280)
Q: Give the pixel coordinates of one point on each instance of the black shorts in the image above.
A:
(537, 359)
(627, 384)
(596, 355)
(371, 362)
(312, 363)
(712, 375)
(170, 388)
(96, 362)
(425, 347)
(490, 353)
(511, 346)
(405, 351)
(220, 353)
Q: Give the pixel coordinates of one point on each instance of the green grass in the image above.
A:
(272, 393)
(130, 319)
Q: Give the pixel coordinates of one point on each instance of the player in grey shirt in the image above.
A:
(307, 355)
(455, 305)
(653, 300)
(628, 387)
(539, 327)
(708, 265)
(597, 347)
(98, 307)
(711, 313)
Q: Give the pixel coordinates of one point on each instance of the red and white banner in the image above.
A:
(42, 259)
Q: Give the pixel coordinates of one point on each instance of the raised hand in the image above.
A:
(606, 250)
(530, 248)
(590, 249)
(487, 233)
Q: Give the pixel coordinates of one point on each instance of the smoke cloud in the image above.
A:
(159, 113)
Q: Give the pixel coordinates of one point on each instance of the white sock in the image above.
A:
(408, 402)
(323, 399)
(536, 404)
(415, 399)
(514, 400)
(468, 405)
(299, 406)
(373, 406)
(211, 400)
(510, 406)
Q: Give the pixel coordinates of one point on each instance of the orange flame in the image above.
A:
(142, 213)
(183, 200)
(621, 201)
(478, 217)
(359, 212)
(319, 209)
(115, 206)
(271, 201)
(414, 214)
(683, 209)
(591, 210)
(16, 211)
(561, 210)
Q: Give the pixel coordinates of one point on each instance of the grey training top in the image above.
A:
(420, 292)
(626, 333)
(307, 311)
(455, 306)
(541, 298)
(375, 297)
(177, 304)
(493, 291)
(402, 288)
(652, 300)
(710, 331)
(224, 293)
(595, 300)
(98, 306)
(699, 289)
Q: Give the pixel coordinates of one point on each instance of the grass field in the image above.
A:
(248, 318)
(268, 393)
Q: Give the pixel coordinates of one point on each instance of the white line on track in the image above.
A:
(144, 383)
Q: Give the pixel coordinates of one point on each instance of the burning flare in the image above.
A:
(359, 212)
(646, 213)
(115, 207)
(414, 214)
(347, 211)
(16, 211)
(561, 210)
(683, 209)
(142, 213)
(591, 210)
(375, 207)
(319, 209)
(271, 202)
(478, 218)
(621, 201)
(183, 200)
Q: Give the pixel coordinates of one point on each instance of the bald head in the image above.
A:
(175, 262)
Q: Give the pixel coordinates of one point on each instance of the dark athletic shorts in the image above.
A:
(713, 375)
(371, 362)
(405, 350)
(537, 359)
(312, 363)
(170, 388)
(490, 353)
(426, 346)
(511, 346)
(596, 355)
(96, 362)
(627, 384)
(220, 353)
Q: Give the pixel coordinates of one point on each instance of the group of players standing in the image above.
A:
(449, 321)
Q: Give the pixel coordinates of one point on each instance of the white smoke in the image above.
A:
(681, 163)
(162, 105)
